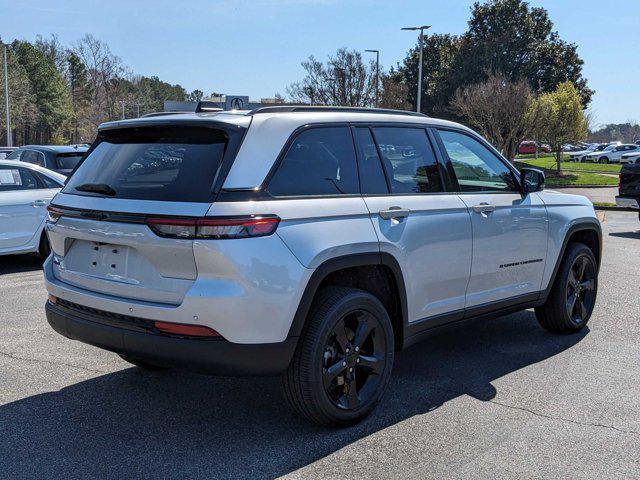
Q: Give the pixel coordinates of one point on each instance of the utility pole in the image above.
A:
(6, 98)
(422, 29)
(377, 52)
(123, 103)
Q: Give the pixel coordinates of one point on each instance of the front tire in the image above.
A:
(604, 160)
(343, 361)
(573, 295)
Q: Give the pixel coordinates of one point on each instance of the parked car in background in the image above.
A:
(6, 151)
(58, 158)
(612, 153)
(579, 155)
(25, 192)
(527, 147)
(544, 148)
(629, 187)
(630, 157)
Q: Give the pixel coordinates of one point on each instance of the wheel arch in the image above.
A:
(589, 233)
(341, 270)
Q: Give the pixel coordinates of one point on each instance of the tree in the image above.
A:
(563, 118)
(149, 93)
(80, 97)
(394, 93)
(504, 112)
(439, 57)
(21, 99)
(344, 80)
(628, 132)
(505, 37)
(52, 99)
(195, 96)
(510, 37)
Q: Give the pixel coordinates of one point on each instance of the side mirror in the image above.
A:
(531, 180)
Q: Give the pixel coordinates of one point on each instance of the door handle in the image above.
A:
(394, 212)
(39, 203)
(484, 207)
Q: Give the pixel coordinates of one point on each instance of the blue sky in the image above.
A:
(255, 47)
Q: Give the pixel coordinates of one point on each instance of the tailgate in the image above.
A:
(117, 254)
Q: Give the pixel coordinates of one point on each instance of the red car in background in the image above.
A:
(529, 146)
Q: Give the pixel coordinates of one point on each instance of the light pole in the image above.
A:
(422, 29)
(6, 99)
(377, 52)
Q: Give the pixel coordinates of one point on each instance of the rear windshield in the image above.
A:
(176, 164)
(68, 161)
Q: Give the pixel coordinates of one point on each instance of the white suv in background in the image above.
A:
(611, 154)
(307, 242)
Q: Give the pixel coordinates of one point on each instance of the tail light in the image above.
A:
(619, 181)
(214, 228)
(53, 214)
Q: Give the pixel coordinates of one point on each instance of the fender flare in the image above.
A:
(578, 227)
(340, 263)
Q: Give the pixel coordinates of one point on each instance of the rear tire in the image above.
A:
(343, 361)
(142, 364)
(573, 295)
(44, 249)
(604, 160)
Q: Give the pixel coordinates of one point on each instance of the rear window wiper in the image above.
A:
(102, 188)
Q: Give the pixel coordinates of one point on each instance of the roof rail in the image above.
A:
(159, 114)
(208, 106)
(320, 108)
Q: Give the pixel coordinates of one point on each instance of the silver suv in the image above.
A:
(311, 243)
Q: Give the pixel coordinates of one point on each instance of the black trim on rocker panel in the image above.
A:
(340, 263)
(421, 329)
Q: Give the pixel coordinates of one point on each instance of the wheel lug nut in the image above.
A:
(347, 350)
(344, 364)
(357, 349)
(357, 360)
(351, 369)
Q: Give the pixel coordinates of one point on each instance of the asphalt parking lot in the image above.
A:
(498, 399)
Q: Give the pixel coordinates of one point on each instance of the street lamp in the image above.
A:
(422, 29)
(377, 52)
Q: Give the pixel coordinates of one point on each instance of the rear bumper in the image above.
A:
(628, 202)
(210, 356)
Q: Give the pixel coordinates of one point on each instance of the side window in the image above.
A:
(320, 161)
(31, 156)
(372, 179)
(476, 167)
(12, 179)
(408, 159)
(48, 182)
(15, 155)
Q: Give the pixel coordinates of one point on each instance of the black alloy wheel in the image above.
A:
(581, 283)
(353, 360)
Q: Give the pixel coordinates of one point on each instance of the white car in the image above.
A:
(612, 154)
(580, 154)
(630, 157)
(25, 192)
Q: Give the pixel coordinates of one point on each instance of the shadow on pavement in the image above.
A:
(137, 424)
(634, 235)
(19, 263)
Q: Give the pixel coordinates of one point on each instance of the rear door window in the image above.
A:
(68, 161)
(31, 156)
(372, 178)
(12, 179)
(177, 164)
(320, 161)
(409, 160)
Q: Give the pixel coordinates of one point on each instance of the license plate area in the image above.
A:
(109, 261)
